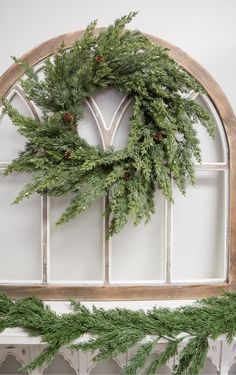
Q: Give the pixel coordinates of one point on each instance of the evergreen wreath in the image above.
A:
(115, 331)
(162, 143)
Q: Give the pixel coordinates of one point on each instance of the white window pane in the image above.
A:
(199, 228)
(211, 149)
(11, 141)
(87, 128)
(19, 232)
(40, 71)
(108, 100)
(121, 136)
(76, 247)
(137, 253)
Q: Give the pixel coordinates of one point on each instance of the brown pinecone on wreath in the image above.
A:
(99, 58)
(68, 117)
(68, 154)
(126, 175)
(158, 136)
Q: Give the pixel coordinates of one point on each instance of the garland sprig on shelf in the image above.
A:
(115, 331)
(162, 143)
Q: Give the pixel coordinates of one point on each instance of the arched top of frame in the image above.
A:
(215, 93)
(50, 46)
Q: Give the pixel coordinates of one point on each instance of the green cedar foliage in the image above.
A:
(114, 331)
(163, 142)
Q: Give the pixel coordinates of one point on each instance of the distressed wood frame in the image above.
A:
(140, 292)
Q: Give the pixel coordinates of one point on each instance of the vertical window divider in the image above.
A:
(106, 238)
(107, 243)
(168, 239)
(45, 230)
(105, 137)
(226, 224)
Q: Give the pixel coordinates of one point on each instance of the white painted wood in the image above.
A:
(168, 240)
(81, 363)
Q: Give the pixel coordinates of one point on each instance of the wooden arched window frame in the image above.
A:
(140, 292)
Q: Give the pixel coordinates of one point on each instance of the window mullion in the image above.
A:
(211, 166)
(3, 165)
(168, 240)
(106, 219)
(107, 243)
(45, 231)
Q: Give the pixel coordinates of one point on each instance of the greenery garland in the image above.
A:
(162, 143)
(115, 331)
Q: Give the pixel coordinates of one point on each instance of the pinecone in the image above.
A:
(68, 154)
(68, 117)
(99, 58)
(158, 136)
(126, 175)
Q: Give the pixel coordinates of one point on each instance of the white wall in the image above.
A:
(203, 28)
